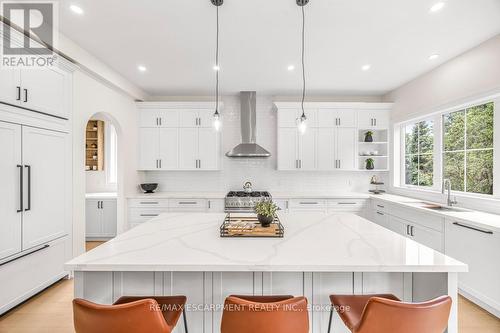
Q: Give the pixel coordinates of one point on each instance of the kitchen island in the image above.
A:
(320, 254)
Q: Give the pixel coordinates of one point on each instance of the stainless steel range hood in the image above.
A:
(248, 147)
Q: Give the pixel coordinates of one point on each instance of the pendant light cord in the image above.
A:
(303, 65)
(217, 66)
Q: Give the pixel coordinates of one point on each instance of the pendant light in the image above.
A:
(217, 121)
(302, 120)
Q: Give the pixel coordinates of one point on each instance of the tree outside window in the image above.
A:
(468, 149)
(419, 157)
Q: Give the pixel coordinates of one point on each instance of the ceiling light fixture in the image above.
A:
(366, 67)
(75, 9)
(142, 68)
(434, 57)
(437, 7)
(217, 121)
(302, 120)
(291, 68)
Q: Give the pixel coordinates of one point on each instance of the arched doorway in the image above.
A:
(102, 180)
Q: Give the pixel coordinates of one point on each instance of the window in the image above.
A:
(112, 174)
(468, 149)
(419, 153)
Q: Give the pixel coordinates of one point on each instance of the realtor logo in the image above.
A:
(38, 20)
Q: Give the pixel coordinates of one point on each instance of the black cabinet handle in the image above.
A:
(187, 202)
(18, 98)
(408, 229)
(149, 215)
(347, 203)
(379, 213)
(21, 188)
(473, 228)
(411, 231)
(29, 187)
(25, 95)
(380, 206)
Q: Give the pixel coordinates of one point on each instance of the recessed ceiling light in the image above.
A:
(366, 67)
(142, 68)
(434, 56)
(291, 67)
(437, 7)
(76, 9)
(216, 68)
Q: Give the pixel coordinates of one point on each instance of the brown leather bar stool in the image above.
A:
(129, 315)
(386, 313)
(265, 314)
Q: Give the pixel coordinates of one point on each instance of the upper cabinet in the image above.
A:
(177, 136)
(331, 139)
(42, 90)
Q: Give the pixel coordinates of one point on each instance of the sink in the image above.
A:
(437, 207)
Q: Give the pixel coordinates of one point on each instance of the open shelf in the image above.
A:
(377, 150)
(94, 146)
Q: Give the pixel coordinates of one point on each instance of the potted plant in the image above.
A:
(369, 136)
(370, 165)
(265, 210)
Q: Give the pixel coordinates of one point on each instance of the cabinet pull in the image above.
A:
(25, 254)
(380, 206)
(308, 203)
(375, 120)
(149, 202)
(199, 164)
(339, 122)
(160, 162)
(161, 122)
(339, 164)
(411, 227)
(156, 121)
(408, 229)
(347, 203)
(25, 95)
(21, 188)
(29, 188)
(187, 202)
(300, 164)
(379, 213)
(489, 232)
(209, 204)
(149, 215)
(18, 98)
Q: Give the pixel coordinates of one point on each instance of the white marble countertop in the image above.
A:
(101, 195)
(277, 195)
(313, 242)
(480, 219)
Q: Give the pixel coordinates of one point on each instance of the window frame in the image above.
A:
(400, 149)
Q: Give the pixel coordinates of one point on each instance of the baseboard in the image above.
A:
(480, 300)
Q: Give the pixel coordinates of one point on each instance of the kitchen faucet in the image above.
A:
(447, 185)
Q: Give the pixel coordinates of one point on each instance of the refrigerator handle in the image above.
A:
(29, 188)
(21, 188)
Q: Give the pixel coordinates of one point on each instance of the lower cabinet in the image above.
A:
(420, 234)
(100, 218)
(478, 248)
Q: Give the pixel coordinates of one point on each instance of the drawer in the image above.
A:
(188, 203)
(346, 204)
(149, 202)
(380, 205)
(414, 216)
(139, 215)
(307, 203)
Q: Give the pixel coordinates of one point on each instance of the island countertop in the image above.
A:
(313, 242)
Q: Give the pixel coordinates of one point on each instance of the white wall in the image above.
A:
(468, 77)
(472, 75)
(89, 97)
(261, 172)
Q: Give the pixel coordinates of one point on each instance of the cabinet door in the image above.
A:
(149, 148)
(47, 160)
(169, 148)
(381, 219)
(346, 118)
(10, 89)
(427, 237)
(398, 225)
(93, 220)
(346, 148)
(206, 118)
(327, 118)
(287, 117)
(208, 149)
(373, 119)
(150, 118)
(287, 149)
(188, 118)
(108, 216)
(326, 149)
(10, 191)
(307, 149)
(188, 148)
(169, 118)
(44, 90)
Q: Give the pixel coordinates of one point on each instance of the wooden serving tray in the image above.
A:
(249, 226)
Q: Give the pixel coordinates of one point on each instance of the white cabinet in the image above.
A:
(336, 149)
(308, 205)
(187, 205)
(479, 248)
(381, 218)
(373, 119)
(337, 118)
(352, 205)
(178, 139)
(10, 191)
(100, 218)
(158, 148)
(296, 151)
(46, 159)
(43, 90)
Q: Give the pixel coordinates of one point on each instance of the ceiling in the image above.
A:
(175, 40)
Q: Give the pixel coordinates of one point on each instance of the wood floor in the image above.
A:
(51, 312)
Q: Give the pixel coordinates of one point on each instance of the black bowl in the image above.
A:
(149, 188)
